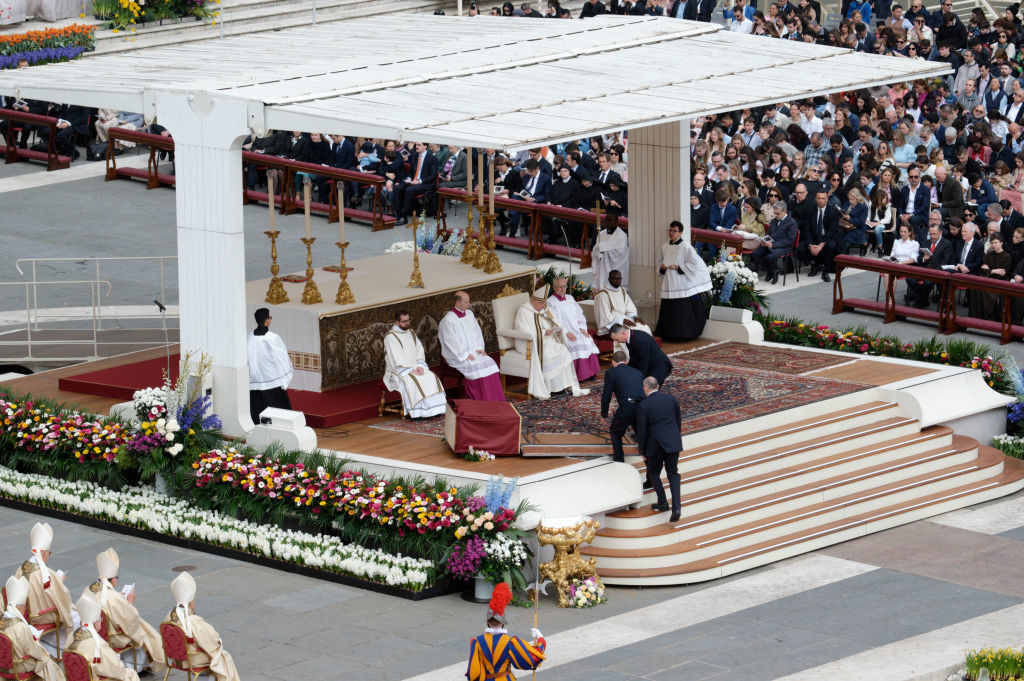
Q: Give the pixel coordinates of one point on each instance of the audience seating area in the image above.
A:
(14, 154)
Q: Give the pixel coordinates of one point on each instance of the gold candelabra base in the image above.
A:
(310, 294)
(344, 296)
(492, 264)
(416, 278)
(480, 256)
(469, 247)
(568, 564)
(275, 292)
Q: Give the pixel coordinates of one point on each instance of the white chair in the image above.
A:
(514, 361)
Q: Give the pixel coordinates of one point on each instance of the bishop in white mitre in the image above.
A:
(577, 339)
(88, 643)
(551, 367)
(125, 627)
(49, 601)
(204, 644)
(610, 252)
(462, 346)
(406, 371)
(29, 656)
(613, 305)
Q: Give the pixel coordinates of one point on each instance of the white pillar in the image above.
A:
(208, 134)
(659, 192)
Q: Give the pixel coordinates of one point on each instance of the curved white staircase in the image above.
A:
(798, 487)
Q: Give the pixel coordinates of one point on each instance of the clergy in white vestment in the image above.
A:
(89, 644)
(613, 305)
(551, 367)
(29, 657)
(204, 644)
(610, 252)
(49, 601)
(125, 627)
(577, 339)
(462, 346)
(406, 371)
(270, 368)
(684, 277)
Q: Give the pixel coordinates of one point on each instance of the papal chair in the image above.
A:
(177, 654)
(7, 672)
(105, 632)
(77, 668)
(512, 362)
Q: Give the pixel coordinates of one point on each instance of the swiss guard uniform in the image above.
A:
(494, 654)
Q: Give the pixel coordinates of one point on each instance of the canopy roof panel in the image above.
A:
(481, 81)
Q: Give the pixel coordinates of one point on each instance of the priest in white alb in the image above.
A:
(406, 371)
(551, 367)
(125, 627)
(29, 657)
(610, 252)
(684, 278)
(570, 317)
(88, 643)
(204, 644)
(270, 368)
(49, 601)
(613, 305)
(462, 346)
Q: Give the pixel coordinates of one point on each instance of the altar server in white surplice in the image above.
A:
(551, 367)
(613, 305)
(48, 598)
(29, 656)
(684, 278)
(125, 627)
(89, 644)
(270, 368)
(204, 642)
(577, 339)
(406, 371)
(610, 252)
(462, 346)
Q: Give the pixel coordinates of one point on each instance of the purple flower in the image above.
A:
(465, 559)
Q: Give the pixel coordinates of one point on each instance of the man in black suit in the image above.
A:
(71, 119)
(936, 253)
(592, 8)
(644, 353)
(969, 252)
(422, 178)
(821, 238)
(626, 383)
(1011, 220)
(658, 424)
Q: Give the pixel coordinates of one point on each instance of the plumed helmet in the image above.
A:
(500, 598)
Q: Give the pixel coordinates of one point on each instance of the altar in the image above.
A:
(334, 345)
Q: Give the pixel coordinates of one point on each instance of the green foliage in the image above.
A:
(1003, 664)
(576, 287)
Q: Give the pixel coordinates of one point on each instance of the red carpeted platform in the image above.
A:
(322, 410)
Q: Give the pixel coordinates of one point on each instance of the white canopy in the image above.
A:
(481, 81)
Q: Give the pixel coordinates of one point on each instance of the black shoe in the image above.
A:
(814, 271)
(773, 278)
(674, 517)
(400, 221)
(825, 277)
(659, 508)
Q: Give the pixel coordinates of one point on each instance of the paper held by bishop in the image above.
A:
(462, 346)
(551, 367)
(406, 371)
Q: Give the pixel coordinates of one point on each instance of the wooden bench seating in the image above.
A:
(14, 154)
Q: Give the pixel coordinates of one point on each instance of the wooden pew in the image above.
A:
(1010, 292)
(151, 173)
(14, 154)
(716, 238)
(890, 310)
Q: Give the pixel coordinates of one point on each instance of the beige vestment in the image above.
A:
(125, 627)
(38, 660)
(208, 648)
(109, 666)
(551, 367)
(44, 596)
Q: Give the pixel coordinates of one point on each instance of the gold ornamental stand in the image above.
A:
(469, 246)
(344, 296)
(310, 294)
(275, 293)
(416, 278)
(492, 265)
(567, 563)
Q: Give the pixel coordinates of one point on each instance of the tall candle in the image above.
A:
(305, 191)
(341, 209)
(492, 179)
(469, 172)
(270, 195)
(480, 171)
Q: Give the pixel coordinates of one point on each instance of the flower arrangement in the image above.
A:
(477, 455)
(44, 47)
(489, 545)
(504, 558)
(453, 245)
(399, 247)
(1003, 664)
(586, 593)
(466, 559)
(733, 284)
(143, 508)
(577, 288)
(1010, 445)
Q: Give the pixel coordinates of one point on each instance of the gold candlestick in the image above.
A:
(492, 265)
(480, 256)
(469, 247)
(275, 293)
(416, 278)
(310, 294)
(344, 296)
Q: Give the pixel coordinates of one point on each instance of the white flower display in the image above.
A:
(399, 247)
(745, 277)
(144, 508)
(508, 551)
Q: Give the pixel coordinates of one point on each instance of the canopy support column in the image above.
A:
(659, 192)
(208, 134)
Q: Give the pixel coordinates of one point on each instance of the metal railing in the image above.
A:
(31, 292)
(33, 311)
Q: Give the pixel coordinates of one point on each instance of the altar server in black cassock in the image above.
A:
(270, 368)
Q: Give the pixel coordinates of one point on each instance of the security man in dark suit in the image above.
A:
(935, 254)
(644, 354)
(627, 384)
(658, 425)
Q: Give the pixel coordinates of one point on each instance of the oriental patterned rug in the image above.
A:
(769, 358)
(709, 395)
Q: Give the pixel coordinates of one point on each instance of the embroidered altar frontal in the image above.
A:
(333, 346)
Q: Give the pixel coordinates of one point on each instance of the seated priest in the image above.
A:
(611, 252)
(270, 368)
(204, 643)
(125, 627)
(613, 305)
(462, 346)
(49, 601)
(551, 367)
(29, 657)
(570, 317)
(88, 643)
(406, 371)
